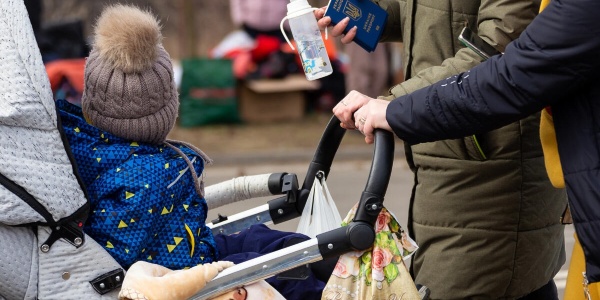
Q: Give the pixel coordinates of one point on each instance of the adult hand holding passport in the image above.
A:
(360, 21)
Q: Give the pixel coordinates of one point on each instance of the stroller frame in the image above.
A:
(358, 235)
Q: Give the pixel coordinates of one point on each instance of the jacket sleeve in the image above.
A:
(553, 59)
(498, 23)
(393, 30)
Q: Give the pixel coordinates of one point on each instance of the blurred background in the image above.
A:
(241, 86)
(190, 27)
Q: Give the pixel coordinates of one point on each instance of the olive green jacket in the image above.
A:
(484, 214)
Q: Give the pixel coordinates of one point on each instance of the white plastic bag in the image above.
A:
(320, 213)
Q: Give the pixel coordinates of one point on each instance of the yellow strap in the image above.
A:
(550, 148)
(549, 144)
(544, 4)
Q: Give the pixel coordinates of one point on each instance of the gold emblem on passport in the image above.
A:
(352, 11)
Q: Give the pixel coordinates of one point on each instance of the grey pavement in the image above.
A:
(279, 156)
(282, 156)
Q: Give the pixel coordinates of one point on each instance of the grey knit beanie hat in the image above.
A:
(129, 86)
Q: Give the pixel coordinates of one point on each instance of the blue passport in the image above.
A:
(367, 16)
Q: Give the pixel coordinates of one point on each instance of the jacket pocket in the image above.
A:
(474, 147)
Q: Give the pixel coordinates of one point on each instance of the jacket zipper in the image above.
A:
(478, 146)
(586, 288)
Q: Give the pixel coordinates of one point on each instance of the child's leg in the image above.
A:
(254, 241)
(258, 240)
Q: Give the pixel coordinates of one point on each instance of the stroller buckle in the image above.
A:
(108, 281)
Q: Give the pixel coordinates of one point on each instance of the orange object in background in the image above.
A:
(69, 69)
(66, 78)
(330, 46)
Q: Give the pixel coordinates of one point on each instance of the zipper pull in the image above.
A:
(586, 288)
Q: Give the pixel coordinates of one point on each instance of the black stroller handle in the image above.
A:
(360, 230)
(358, 235)
(381, 166)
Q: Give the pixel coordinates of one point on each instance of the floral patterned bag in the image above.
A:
(378, 272)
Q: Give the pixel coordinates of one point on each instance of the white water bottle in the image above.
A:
(307, 35)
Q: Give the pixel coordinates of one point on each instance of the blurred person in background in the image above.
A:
(271, 57)
(259, 17)
(257, 46)
(368, 73)
(63, 48)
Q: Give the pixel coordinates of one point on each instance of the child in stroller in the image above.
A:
(147, 193)
(45, 252)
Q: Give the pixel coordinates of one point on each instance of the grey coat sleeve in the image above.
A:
(556, 56)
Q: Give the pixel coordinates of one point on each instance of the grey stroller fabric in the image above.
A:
(17, 274)
(31, 151)
(33, 156)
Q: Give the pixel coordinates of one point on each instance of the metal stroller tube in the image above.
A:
(242, 188)
(358, 235)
